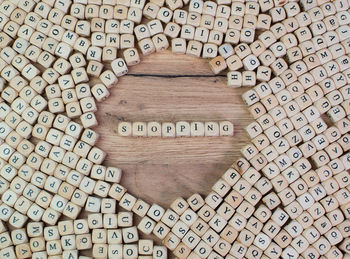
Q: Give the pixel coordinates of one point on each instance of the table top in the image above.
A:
(169, 87)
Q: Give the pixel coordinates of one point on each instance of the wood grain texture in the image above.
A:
(168, 87)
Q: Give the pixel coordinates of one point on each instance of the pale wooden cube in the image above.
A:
(139, 129)
(213, 200)
(234, 63)
(211, 129)
(201, 34)
(234, 79)
(125, 219)
(194, 48)
(172, 30)
(109, 53)
(131, 56)
(209, 7)
(179, 205)
(92, 52)
(251, 62)
(88, 120)
(183, 129)
(247, 35)
(146, 46)
(196, 6)
(63, 50)
(130, 251)
(263, 73)
(119, 67)
(125, 129)
(155, 27)
(197, 129)
(189, 217)
(155, 212)
(278, 49)
(277, 14)
(216, 37)
(257, 47)
(17, 220)
(195, 201)
(168, 129)
(82, 44)
(126, 26)
(178, 45)
(100, 250)
(221, 24)
(89, 136)
(226, 50)
(146, 225)
(130, 235)
(170, 218)
(203, 249)
(94, 68)
(150, 10)
(141, 32)
(108, 78)
(134, 14)
(164, 14)
(87, 104)
(80, 75)
(113, 42)
(117, 191)
(207, 21)
(248, 78)
(63, 66)
(160, 42)
(145, 247)
(100, 92)
(121, 10)
(171, 241)
(56, 105)
(154, 129)
(127, 41)
(242, 50)
(140, 208)
(217, 64)
(65, 82)
(226, 128)
(180, 16)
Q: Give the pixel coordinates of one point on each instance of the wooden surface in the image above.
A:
(168, 87)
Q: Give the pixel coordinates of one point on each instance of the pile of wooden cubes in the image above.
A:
(288, 196)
